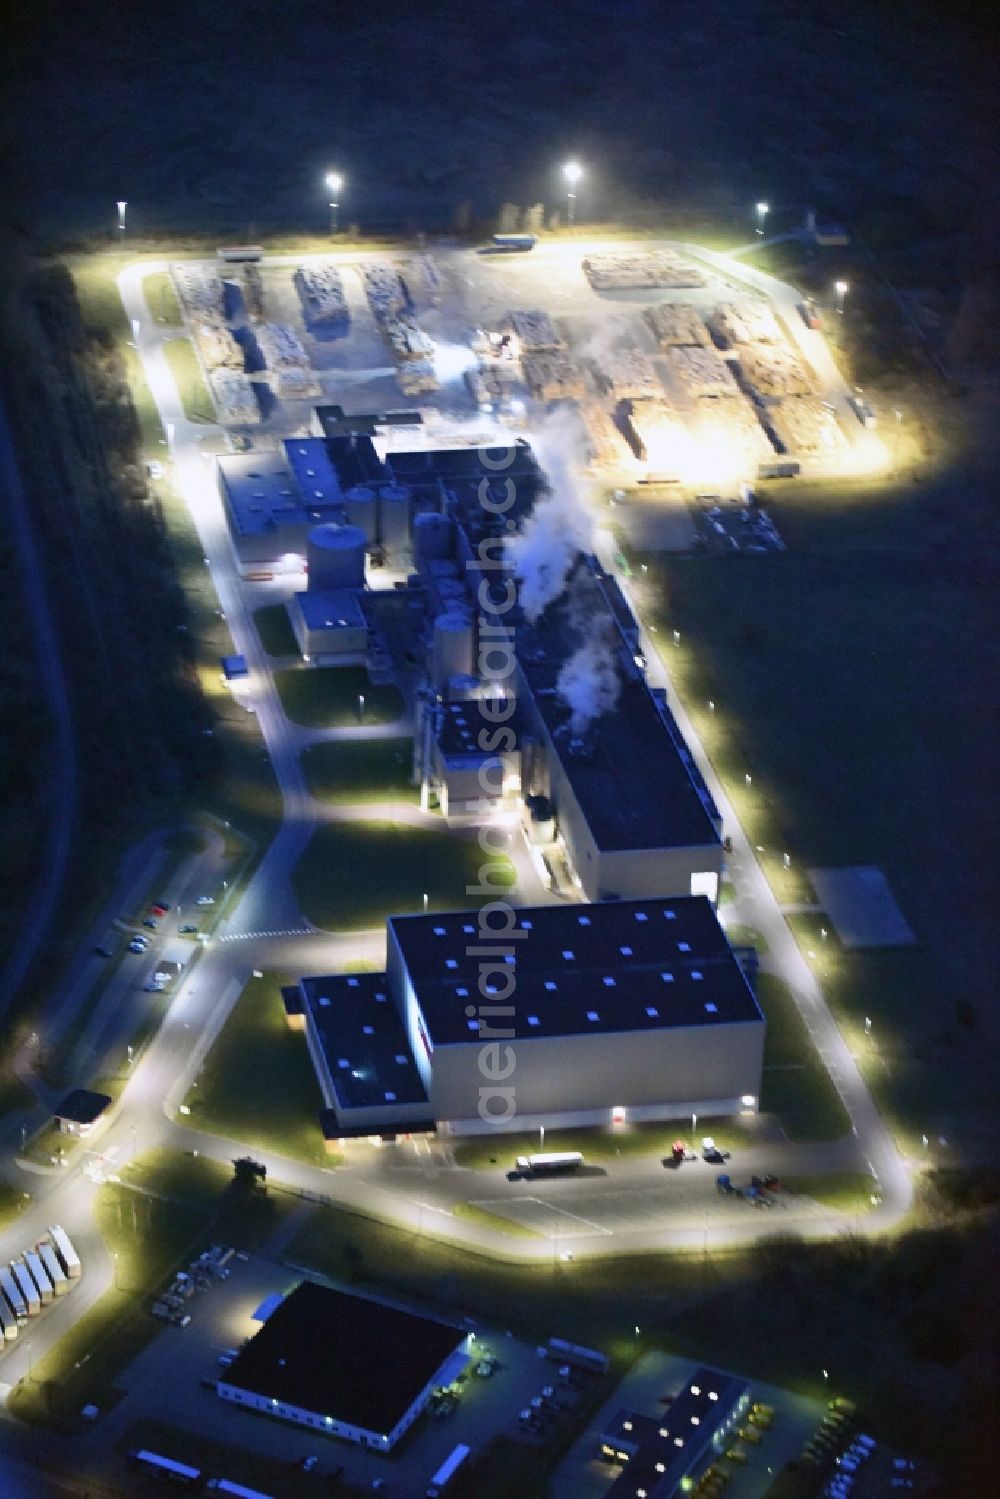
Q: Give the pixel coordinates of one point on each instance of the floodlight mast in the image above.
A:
(334, 182)
(763, 209)
(572, 171)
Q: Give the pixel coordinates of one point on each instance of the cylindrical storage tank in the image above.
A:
(360, 505)
(452, 652)
(431, 538)
(336, 558)
(394, 503)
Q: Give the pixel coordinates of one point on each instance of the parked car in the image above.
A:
(104, 952)
(159, 910)
(136, 946)
(153, 987)
(205, 900)
(308, 1463)
(187, 929)
(151, 922)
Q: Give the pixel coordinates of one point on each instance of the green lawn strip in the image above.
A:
(356, 771)
(354, 875)
(190, 381)
(12, 1202)
(275, 630)
(796, 1085)
(483, 1152)
(324, 697)
(472, 1213)
(161, 299)
(196, 1180)
(15, 1097)
(746, 936)
(848, 1191)
(50, 1146)
(258, 1086)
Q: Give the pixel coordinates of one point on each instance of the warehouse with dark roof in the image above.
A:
(345, 1365)
(569, 1015)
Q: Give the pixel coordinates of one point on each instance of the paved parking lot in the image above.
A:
(165, 1382)
(584, 1475)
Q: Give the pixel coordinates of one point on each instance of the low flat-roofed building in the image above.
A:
(267, 519)
(80, 1111)
(363, 1061)
(345, 1365)
(632, 808)
(471, 764)
(329, 624)
(666, 1453)
(634, 1006)
(316, 478)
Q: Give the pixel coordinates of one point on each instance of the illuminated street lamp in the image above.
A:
(762, 211)
(572, 171)
(334, 182)
(122, 205)
(841, 288)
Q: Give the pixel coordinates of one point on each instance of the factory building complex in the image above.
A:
(533, 700)
(569, 1015)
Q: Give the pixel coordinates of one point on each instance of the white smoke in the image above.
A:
(557, 528)
(588, 683)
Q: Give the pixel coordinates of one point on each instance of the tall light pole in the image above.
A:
(334, 182)
(122, 205)
(763, 210)
(572, 171)
(841, 288)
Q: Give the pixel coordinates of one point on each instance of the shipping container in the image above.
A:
(63, 1246)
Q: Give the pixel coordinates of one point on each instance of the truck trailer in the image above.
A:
(441, 1481)
(12, 1293)
(29, 1291)
(549, 1165)
(39, 1275)
(8, 1322)
(63, 1246)
(53, 1269)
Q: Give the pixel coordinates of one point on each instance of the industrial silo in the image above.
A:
(394, 520)
(336, 558)
(431, 539)
(360, 505)
(452, 650)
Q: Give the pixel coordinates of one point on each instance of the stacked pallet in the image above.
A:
(803, 425)
(552, 376)
(421, 281)
(774, 371)
(620, 269)
(234, 397)
(630, 375)
(406, 338)
(217, 346)
(658, 436)
(535, 331)
(321, 292)
(748, 322)
(703, 372)
(727, 424)
(385, 291)
(676, 323)
(280, 347)
(200, 291)
(607, 450)
(417, 376)
(294, 383)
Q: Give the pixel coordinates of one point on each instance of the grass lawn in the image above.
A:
(848, 674)
(795, 1085)
(325, 697)
(361, 770)
(275, 630)
(353, 875)
(472, 1213)
(190, 382)
(257, 1085)
(849, 1191)
(12, 1202)
(161, 299)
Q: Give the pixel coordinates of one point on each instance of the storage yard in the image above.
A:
(713, 386)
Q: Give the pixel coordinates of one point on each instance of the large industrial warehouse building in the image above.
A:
(591, 1014)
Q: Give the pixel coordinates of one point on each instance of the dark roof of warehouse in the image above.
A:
(363, 1041)
(677, 1440)
(344, 1356)
(631, 773)
(83, 1106)
(580, 969)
